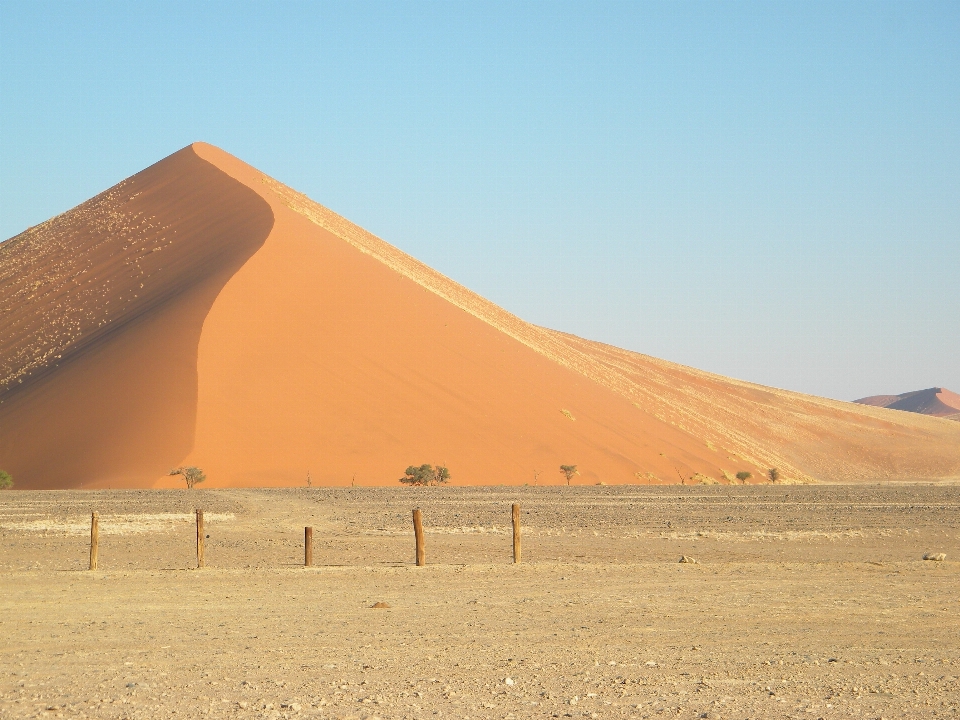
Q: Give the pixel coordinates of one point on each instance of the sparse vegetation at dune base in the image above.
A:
(569, 471)
(6, 480)
(192, 475)
(426, 475)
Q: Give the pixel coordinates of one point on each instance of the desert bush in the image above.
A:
(773, 474)
(426, 475)
(569, 471)
(192, 475)
(743, 476)
(6, 480)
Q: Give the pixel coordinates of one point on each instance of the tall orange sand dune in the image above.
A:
(202, 313)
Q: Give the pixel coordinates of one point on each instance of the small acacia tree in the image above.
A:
(426, 475)
(6, 480)
(569, 471)
(774, 474)
(193, 475)
(743, 476)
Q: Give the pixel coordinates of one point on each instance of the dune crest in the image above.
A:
(297, 342)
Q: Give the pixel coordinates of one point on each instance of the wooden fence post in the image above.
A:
(516, 533)
(199, 538)
(418, 532)
(307, 546)
(94, 539)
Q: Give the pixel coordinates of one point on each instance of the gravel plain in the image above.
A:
(804, 602)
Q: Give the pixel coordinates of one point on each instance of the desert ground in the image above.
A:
(805, 602)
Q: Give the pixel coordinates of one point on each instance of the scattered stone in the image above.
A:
(936, 557)
(509, 681)
(380, 605)
(688, 559)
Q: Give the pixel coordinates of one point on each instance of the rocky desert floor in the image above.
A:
(805, 602)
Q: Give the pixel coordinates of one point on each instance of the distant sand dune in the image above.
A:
(938, 402)
(203, 313)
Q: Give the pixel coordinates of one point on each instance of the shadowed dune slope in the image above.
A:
(101, 310)
(878, 400)
(325, 350)
(938, 402)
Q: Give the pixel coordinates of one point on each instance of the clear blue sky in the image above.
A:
(766, 190)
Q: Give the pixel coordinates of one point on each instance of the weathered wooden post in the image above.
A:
(307, 546)
(516, 533)
(94, 539)
(199, 538)
(418, 532)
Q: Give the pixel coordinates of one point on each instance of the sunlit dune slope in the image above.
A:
(818, 438)
(325, 350)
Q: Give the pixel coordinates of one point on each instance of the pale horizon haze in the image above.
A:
(769, 191)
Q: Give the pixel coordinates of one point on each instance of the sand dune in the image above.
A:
(203, 313)
(938, 402)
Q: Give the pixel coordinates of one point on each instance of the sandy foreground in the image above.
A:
(806, 602)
